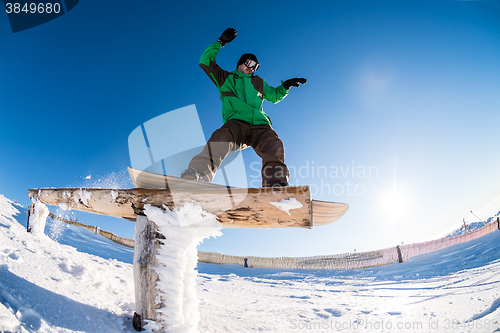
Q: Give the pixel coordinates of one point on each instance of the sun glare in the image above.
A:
(394, 203)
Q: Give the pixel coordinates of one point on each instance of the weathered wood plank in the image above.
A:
(147, 242)
(235, 208)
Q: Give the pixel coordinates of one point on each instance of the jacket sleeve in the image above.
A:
(274, 95)
(210, 67)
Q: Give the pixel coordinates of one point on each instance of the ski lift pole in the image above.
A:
(476, 216)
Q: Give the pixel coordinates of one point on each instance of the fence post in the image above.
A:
(400, 254)
(246, 263)
(498, 222)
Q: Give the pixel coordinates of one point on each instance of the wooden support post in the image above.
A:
(37, 216)
(30, 212)
(164, 265)
(147, 242)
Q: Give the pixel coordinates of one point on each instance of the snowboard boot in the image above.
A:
(282, 184)
(191, 174)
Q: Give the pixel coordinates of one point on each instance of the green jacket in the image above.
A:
(241, 94)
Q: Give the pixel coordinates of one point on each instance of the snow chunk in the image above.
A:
(286, 205)
(84, 196)
(63, 206)
(114, 195)
(38, 217)
(183, 229)
(190, 214)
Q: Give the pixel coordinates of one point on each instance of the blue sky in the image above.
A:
(405, 89)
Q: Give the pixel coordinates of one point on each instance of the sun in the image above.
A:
(394, 203)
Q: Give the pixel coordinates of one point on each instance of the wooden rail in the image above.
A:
(253, 208)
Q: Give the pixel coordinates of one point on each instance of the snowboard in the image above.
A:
(321, 212)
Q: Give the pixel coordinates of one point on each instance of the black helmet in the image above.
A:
(245, 57)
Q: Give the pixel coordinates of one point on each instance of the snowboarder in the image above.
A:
(245, 123)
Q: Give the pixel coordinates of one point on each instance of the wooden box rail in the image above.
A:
(234, 208)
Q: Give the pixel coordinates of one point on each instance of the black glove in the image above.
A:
(228, 35)
(293, 82)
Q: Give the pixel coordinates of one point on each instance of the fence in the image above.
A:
(339, 261)
(351, 260)
(411, 250)
(120, 240)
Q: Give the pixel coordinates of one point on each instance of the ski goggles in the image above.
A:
(252, 64)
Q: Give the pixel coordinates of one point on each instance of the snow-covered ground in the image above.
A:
(47, 286)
